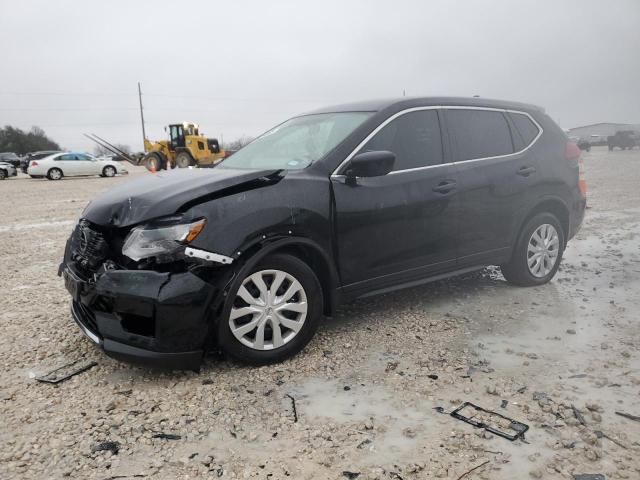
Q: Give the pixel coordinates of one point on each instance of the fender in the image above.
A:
(257, 250)
(525, 211)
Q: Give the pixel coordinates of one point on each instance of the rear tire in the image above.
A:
(285, 331)
(183, 160)
(3, 174)
(538, 252)
(108, 171)
(54, 174)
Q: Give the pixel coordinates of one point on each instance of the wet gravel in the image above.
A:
(562, 358)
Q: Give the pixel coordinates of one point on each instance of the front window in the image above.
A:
(297, 143)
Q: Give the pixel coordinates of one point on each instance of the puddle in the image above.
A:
(394, 427)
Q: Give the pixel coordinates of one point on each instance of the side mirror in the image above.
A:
(370, 164)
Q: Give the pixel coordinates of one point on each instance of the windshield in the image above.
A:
(297, 143)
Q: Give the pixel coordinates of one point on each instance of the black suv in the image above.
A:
(341, 203)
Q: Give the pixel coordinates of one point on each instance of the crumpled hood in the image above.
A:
(166, 193)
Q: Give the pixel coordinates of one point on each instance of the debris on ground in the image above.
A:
(473, 469)
(166, 436)
(601, 434)
(588, 476)
(294, 408)
(350, 475)
(65, 372)
(113, 447)
(629, 416)
(492, 422)
(578, 415)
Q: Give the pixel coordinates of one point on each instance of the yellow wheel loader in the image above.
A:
(186, 147)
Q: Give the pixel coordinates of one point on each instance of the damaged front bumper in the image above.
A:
(142, 316)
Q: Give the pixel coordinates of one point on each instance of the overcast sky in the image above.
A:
(238, 67)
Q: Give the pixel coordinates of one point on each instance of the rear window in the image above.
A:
(479, 133)
(526, 130)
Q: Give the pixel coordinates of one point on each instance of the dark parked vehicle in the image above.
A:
(624, 139)
(342, 203)
(584, 145)
(24, 162)
(10, 157)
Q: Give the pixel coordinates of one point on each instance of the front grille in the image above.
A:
(89, 248)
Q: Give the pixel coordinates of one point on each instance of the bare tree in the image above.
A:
(238, 143)
(99, 150)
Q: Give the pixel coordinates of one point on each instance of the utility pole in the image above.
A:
(144, 135)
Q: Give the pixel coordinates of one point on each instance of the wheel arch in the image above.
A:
(554, 205)
(304, 249)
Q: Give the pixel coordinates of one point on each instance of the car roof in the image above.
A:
(411, 102)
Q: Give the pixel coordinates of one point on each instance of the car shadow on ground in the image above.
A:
(439, 296)
(432, 300)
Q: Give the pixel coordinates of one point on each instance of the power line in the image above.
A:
(163, 95)
(64, 109)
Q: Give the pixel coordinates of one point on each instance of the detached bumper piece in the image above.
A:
(145, 317)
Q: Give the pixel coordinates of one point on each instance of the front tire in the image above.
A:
(537, 254)
(152, 162)
(108, 171)
(3, 174)
(272, 313)
(54, 174)
(183, 160)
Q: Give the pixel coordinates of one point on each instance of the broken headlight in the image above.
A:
(161, 238)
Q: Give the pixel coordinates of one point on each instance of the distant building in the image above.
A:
(601, 130)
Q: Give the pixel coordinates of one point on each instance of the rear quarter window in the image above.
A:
(525, 130)
(479, 133)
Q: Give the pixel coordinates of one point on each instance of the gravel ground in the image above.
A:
(366, 387)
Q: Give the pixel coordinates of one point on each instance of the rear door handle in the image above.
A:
(526, 171)
(445, 186)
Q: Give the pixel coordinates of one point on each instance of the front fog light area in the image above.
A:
(157, 240)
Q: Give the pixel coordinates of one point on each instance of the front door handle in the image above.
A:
(526, 171)
(445, 186)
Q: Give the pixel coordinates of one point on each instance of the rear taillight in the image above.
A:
(33, 163)
(572, 152)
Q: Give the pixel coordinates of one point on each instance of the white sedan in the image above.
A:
(71, 164)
